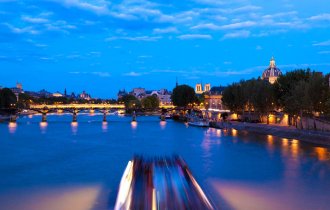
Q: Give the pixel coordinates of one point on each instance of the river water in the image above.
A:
(63, 166)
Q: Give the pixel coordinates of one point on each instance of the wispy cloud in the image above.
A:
(325, 16)
(325, 43)
(18, 30)
(101, 74)
(165, 30)
(237, 34)
(133, 74)
(258, 47)
(194, 36)
(97, 6)
(137, 38)
(96, 73)
(324, 52)
(34, 19)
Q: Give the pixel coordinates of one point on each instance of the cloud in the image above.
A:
(280, 15)
(209, 26)
(165, 30)
(325, 43)
(258, 47)
(237, 34)
(324, 52)
(320, 17)
(34, 19)
(97, 6)
(194, 36)
(96, 73)
(138, 38)
(23, 30)
(245, 24)
(101, 74)
(133, 74)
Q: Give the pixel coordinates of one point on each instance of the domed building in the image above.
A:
(272, 72)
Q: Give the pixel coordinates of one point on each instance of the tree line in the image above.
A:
(298, 93)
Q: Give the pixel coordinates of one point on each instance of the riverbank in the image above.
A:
(289, 132)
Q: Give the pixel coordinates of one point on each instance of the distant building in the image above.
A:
(44, 93)
(121, 94)
(199, 88)
(85, 96)
(213, 98)
(163, 95)
(138, 92)
(73, 96)
(272, 72)
(18, 89)
(57, 94)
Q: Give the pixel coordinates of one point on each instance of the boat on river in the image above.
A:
(160, 183)
(201, 123)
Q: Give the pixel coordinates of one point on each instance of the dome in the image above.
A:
(272, 71)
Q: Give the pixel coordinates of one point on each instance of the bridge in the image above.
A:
(77, 106)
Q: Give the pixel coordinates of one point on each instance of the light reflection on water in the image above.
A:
(237, 170)
(53, 198)
(74, 127)
(43, 127)
(162, 124)
(104, 126)
(12, 126)
(134, 125)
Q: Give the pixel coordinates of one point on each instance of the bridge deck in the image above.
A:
(87, 106)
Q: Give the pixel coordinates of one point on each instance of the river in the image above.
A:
(64, 166)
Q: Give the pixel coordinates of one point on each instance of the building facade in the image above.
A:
(272, 72)
(200, 90)
(213, 99)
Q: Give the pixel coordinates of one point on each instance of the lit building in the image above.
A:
(138, 92)
(57, 94)
(213, 99)
(163, 95)
(18, 89)
(272, 72)
(199, 88)
(85, 96)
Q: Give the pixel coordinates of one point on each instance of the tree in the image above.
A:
(286, 82)
(183, 95)
(234, 97)
(130, 101)
(7, 98)
(24, 100)
(298, 100)
(150, 102)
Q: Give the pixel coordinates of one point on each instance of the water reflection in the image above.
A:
(163, 124)
(134, 125)
(63, 198)
(74, 127)
(321, 153)
(43, 126)
(104, 126)
(270, 143)
(12, 126)
(234, 132)
(295, 149)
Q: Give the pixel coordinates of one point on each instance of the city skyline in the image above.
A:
(102, 46)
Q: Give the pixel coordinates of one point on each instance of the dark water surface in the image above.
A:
(60, 166)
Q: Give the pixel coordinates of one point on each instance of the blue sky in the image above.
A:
(102, 46)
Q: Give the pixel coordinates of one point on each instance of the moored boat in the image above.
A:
(201, 123)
